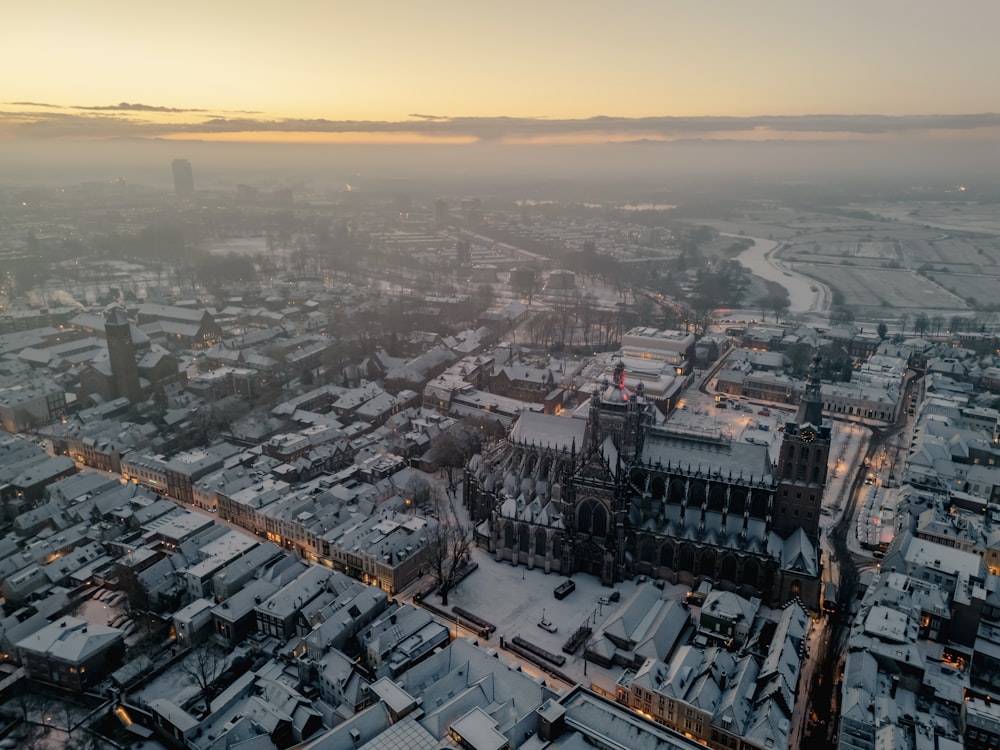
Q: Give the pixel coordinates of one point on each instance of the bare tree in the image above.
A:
(33, 737)
(841, 315)
(487, 296)
(30, 733)
(88, 740)
(205, 664)
(586, 307)
(419, 491)
(28, 703)
(449, 548)
(701, 313)
(780, 303)
(937, 322)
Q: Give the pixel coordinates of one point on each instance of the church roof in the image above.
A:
(548, 431)
(799, 554)
(707, 456)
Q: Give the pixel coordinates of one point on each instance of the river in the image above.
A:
(806, 295)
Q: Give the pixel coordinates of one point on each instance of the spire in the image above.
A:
(811, 406)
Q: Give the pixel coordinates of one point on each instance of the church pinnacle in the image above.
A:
(811, 406)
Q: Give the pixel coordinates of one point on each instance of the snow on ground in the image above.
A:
(174, 684)
(97, 612)
(514, 599)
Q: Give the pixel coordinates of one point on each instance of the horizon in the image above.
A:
(687, 165)
(563, 73)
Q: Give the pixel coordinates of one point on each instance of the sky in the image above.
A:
(544, 71)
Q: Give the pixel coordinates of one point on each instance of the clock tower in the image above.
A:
(802, 462)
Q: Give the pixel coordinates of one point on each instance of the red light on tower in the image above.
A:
(620, 375)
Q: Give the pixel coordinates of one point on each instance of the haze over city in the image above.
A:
(907, 77)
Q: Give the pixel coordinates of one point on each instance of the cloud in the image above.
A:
(129, 107)
(33, 104)
(134, 120)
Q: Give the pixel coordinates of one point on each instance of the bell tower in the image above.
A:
(619, 413)
(802, 462)
(121, 352)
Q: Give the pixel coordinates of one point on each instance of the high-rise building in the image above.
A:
(440, 214)
(121, 352)
(183, 178)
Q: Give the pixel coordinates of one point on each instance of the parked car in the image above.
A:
(764, 412)
(546, 625)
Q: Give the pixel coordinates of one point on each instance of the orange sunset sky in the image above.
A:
(519, 72)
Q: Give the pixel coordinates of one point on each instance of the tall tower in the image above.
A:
(440, 214)
(802, 462)
(121, 352)
(183, 178)
(617, 412)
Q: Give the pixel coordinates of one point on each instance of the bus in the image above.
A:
(829, 598)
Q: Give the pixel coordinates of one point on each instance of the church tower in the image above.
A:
(802, 462)
(121, 352)
(620, 414)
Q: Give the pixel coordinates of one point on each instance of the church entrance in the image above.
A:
(590, 559)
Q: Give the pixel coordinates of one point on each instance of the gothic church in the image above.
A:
(612, 493)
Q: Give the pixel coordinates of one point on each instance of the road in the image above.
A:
(850, 562)
(850, 443)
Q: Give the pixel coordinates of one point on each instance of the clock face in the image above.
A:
(808, 435)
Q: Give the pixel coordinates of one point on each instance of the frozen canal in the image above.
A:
(807, 295)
